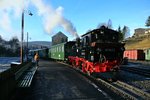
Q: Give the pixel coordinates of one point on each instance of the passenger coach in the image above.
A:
(61, 51)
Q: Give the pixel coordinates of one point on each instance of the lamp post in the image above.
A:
(22, 35)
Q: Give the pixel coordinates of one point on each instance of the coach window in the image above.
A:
(59, 49)
(62, 49)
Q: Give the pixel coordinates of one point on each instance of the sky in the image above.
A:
(72, 17)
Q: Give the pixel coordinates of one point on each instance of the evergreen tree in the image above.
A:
(13, 51)
(14, 42)
(1, 39)
(126, 32)
(147, 22)
(121, 35)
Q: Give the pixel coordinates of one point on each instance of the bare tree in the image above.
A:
(101, 24)
(109, 24)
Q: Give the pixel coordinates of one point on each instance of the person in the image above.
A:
(36, 59)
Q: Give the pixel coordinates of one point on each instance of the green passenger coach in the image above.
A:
(57, 51)
(61, 51)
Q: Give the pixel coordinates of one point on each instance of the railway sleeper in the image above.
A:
(132, 90)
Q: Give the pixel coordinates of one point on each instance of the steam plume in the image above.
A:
(51, 17)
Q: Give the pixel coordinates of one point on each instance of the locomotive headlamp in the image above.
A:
(77, 50)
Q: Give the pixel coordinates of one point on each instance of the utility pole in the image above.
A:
(22, 35)
(22, 32)
(27, 46)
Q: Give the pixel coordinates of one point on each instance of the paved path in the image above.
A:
(54, 81)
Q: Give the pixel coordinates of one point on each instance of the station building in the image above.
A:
(59, 38)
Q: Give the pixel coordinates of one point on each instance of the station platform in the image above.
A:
(55, 81)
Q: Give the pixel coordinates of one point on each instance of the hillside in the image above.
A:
(138, 43)
(39, 44)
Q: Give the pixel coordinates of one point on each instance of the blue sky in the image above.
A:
(72, 17)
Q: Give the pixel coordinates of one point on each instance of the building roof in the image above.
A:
(59, 33)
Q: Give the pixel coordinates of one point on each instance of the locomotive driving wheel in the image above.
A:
(80, 65)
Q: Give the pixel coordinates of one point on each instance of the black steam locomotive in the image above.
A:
(98, 50)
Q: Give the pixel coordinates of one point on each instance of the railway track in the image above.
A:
(135, 92)
(122, 89)
(140, 71)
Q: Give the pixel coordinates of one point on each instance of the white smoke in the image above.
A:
(5, 22)
(8, 11)
(51, 17)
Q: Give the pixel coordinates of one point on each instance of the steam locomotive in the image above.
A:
(96, 51)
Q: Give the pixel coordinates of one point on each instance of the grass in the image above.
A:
(143, 44)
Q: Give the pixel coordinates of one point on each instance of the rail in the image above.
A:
(111, 87)
(140, 71)
(137, 93)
